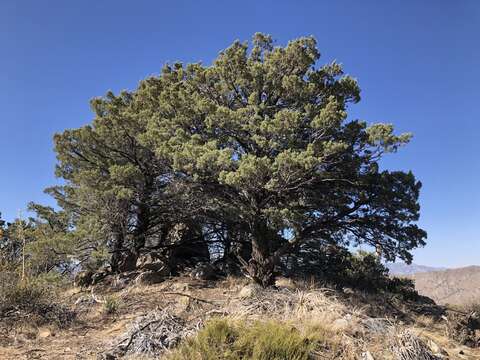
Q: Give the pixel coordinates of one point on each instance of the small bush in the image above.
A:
(223, 339)
(31, 300)
(111, 305)
(22, 296)
(339, 267)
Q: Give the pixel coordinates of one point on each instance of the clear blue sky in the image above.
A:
(417, 62)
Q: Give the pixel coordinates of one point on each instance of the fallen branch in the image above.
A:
(189, 296)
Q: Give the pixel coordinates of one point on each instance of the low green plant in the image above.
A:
(339, 267)
(23, 296)
(225, 339)
(32, 299)
(111, 305)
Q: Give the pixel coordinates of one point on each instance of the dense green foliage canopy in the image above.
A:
(252, 158)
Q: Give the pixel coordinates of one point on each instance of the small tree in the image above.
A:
(51, 244)
(264, 135)
(121, 194)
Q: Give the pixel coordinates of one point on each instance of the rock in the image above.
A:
(151, 262)
(99, 276)
(250, 290)
(341, 324)
(204, 272)
(83, 278)
(367, 356)
(436, 349)
(286, 283)
(44, 333)
(150, 278)
(377, 326)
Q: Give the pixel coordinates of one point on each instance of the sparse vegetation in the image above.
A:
(296, 319)
(451, 287)
(111, 305)
(187, 199)
(237, 340)
(31, 301)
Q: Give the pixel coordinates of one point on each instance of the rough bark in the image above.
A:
(261, 265)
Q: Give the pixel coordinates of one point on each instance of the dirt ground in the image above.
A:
(94, 331)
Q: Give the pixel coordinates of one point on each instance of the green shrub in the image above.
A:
(223, 339)
(339, 267)
(111, 305)
(23, 296)
(32, 300)
(52, 281)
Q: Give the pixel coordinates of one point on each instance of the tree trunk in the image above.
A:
(122, 259)
(262, 262)
(140, 233)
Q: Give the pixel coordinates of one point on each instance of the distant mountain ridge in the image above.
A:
(405, 269)
(459, 286)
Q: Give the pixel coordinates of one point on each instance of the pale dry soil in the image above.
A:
(95, 332)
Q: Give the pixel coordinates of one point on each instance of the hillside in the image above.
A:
(302, 321)
(399, 268)
(454, 286)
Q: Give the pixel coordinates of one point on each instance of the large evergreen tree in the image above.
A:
(264, 134)
(254, 153)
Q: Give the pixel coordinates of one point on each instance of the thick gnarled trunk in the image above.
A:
(261, 269)
(261, 266)
(122, 259)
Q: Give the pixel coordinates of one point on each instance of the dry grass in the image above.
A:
(154, 333)
(335, 325)
(407, 346)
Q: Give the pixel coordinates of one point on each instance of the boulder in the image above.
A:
(83, 278)
(204, 272)
(249, 291)
(377, 326)
(150, 277)
(151, 262)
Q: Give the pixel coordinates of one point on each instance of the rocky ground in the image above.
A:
(143, 319)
